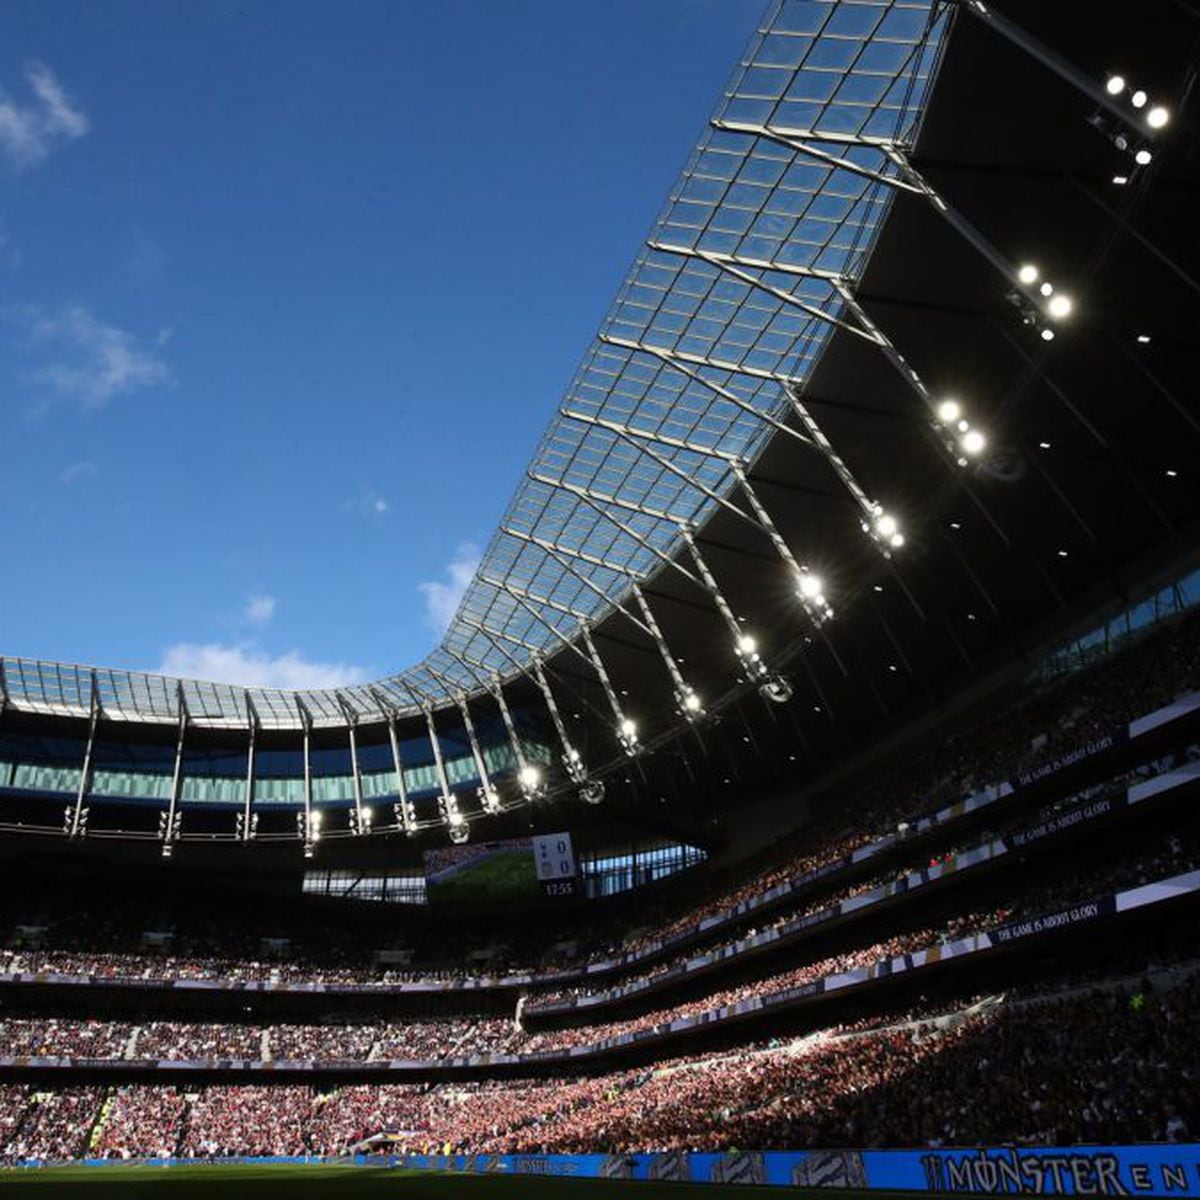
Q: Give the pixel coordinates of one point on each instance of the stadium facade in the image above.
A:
(862, 554)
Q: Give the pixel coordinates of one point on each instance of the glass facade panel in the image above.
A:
(1116, 632)
(407, 888)
(608, 874)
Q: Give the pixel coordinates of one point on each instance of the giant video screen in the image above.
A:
(482, 873)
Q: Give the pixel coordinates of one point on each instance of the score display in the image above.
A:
(554, 858)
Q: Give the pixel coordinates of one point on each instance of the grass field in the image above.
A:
(335, 1182)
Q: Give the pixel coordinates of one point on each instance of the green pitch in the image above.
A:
(285, 1181)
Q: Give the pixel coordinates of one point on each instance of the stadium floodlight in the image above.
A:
(1115, 85)
(973, 442)
(530, 779)
(1060, 306)
(627, 735)
(1157, 117)
(811, 586)
(592, 792)
(690, 704)
(747, 645)
(949, 411)
(1138, 99)
(1047, 335)
(1028, 274)
(1047, 288)
(1143, 157)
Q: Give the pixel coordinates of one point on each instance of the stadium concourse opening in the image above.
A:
(805, 791)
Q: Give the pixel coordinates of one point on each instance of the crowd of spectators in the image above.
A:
(63, 1038)
(1103, 1065)
(1154, 855)
(145, 1121)
(1023, 737)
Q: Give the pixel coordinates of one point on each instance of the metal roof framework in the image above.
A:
(747, 273)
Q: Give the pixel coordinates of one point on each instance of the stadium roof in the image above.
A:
(736, 293)
(840, 257)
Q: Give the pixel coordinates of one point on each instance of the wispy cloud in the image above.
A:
(442, 597)
(76, 471)
(30, 130)
(368, 503)
(85, 359)
(250, 667)
(259, 610)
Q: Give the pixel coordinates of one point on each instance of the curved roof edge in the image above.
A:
(742, 281)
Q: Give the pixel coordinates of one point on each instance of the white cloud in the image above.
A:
(249, 667)
(76, 471)
(91, 361)
(28, 132)
(442, 598)
(368, 503)
(259, 610)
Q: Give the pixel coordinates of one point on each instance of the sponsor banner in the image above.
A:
(1147, 1170)
(1078, 814)
(1078, 914)
(1098, 745)
(1155, 1170)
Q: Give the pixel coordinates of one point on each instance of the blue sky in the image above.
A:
(288, 291)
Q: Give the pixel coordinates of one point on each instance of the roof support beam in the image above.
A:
(586, 497)
(636, 437)
(310, 831)
(809, 589)
(686, 366)
(626, 729)
(591, 791)
(619, 427)
(734, 264)
(360, 822)
(1065, 70)
(169, 829)
(248, 824)
(403, 810)
(489, 798)
(513, 589)
(455, 822)
(76, 824)
(717, 258)
(700, 360)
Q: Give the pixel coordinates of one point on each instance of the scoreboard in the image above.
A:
(555, 861)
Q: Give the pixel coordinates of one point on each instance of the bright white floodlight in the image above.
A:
(1060, 306)
(1157, 117)
(529, 776)
(1115, 85)
(1143, 158)
(746, 644)
(973, 442)
(1138, 99)
(948, 411)
(1028, 274)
